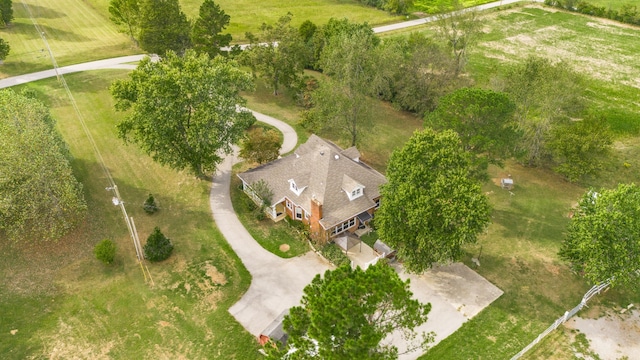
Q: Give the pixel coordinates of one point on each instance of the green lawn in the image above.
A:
(73, 30)
(64, 303)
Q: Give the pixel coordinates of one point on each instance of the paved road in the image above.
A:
(418, 22)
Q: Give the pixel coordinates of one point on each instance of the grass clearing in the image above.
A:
(65, 303)
(73, 30)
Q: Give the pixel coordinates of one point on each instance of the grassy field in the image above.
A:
(64, 304)
(248, 15)
(73, 30)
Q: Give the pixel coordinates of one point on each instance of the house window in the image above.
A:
(377, 203)
(355, 193)
(344, 226)
(307, 215)
(294, 187)
(289, 205)
(299, 213)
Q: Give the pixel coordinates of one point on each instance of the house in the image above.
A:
(320, 184)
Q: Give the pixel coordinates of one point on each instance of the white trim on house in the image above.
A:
(293, 187)
(344, 226)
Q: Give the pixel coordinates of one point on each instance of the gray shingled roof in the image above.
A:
(321, 166)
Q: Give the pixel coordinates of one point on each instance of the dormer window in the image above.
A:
(352, 188)
(293, 187)
(356, 193)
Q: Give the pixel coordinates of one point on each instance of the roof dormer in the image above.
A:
(352, 188)
(295, 188)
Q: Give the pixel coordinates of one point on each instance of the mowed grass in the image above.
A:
(74, 31)
(63, 303)
(249, 15)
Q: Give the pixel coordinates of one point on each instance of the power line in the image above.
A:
(117, 200)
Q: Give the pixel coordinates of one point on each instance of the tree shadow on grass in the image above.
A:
(28, 31)
(41, 12)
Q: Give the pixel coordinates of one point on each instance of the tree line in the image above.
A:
(628, 13)
(158, 26)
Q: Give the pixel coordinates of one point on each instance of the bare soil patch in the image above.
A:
(284, 247)
(612, 336)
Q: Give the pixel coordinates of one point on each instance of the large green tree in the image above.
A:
(579, 147)
(163, 27)
(417, 71)
(277, 54)
(6, 11)
(603, 240)
(347, 314)
(40, 199)
(126, 13)
(334, 27)
(184, 110)
(459, 28)
(484, 121)
(206, 35)
(430, 206)
(546, 94)
(343, 102)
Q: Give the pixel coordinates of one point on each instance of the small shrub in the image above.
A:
(150, 205)
(158, 246)
(105, 251)
(334, 254)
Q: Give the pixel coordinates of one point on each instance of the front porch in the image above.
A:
(277, 212)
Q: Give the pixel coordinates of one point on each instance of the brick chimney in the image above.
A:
(316, 231)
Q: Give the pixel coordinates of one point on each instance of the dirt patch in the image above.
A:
(552, 268)
(216, 277)
(68, 343)
(284, 247)
(612, 336)
(14, 331)
(164, 324)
